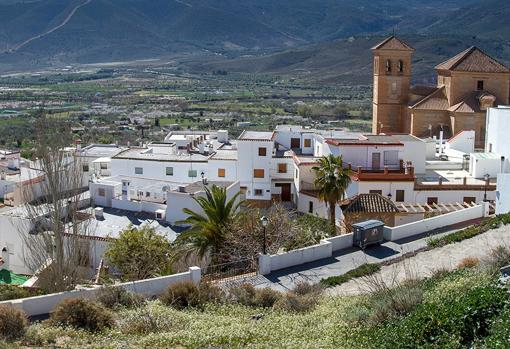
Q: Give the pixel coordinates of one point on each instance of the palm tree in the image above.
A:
(331, 180)
(208, 229)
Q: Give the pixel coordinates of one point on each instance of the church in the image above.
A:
(467, 85)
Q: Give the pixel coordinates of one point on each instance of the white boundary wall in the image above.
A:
(430, 224)
(269, 263)
(42, 305)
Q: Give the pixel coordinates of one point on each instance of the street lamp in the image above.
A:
(486, 177)
(390, 196)
(264, 222)
(203, 177)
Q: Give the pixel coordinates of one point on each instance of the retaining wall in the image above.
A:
(431, 224)
(42, 305)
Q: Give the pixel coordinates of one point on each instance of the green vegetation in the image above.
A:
(140, 253)
(470, 232)
(13, 323)
(82, 314)
(331, 181)
(8, 292)
(9, 278)
(363, 270)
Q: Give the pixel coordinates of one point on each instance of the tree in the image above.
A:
(54, 229)
(140, 253)
(331, 181)
(207, 231)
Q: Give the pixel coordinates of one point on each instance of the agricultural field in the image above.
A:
(117, 104)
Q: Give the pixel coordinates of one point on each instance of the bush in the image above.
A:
(181, 295)
(83, 314)
(468, 262)
(266, 298)
(8, 292)
(395, 302)
(117, 297)
(364, 270)
(500, 256)
(303, 288)
(243, 294)
(13, 323)
(209, 293)
(293, 303)
(145, 320)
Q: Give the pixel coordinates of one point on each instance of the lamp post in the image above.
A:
(486, 177)
(390, 196)
(203, 177)
(264, 222)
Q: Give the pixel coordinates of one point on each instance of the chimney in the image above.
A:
(78, 145)
(99, 213)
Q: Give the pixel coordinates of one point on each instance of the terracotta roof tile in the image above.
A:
(473, 60)
(437, 100)
(370, 203)
(393, 43)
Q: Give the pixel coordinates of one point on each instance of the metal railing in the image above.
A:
(230, 271)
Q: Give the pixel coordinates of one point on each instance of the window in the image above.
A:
(400, 66)
(479, 85)
(282, 168)
(400, 197)
(221, 172)
(308, 143)
(258, 192)
(192, 173)
(258, 173)
(310, 207)
(262, 151)
(101, 192)
(169, 171)
(139, 170)
(388, 66)
(469, 200)
(391, 158)
(147, 194)
(376, 192)
(432, 200)
(103, 166)
(85, 168)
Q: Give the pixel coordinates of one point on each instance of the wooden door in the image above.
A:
(295, 143)
(376, 161)
(286, 192)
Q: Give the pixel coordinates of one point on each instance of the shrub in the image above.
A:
(145, 320)
(364, 270)
(8, 292)
(303, 288)
(293, 303)
(395, 302)
(243, 294)
(468, 262)
(209, 293)
(83, 314)
(13, 323)
(500, 256)
(266, 297)
(117, 297)
(181, 295)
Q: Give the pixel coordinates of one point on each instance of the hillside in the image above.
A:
(60, 32)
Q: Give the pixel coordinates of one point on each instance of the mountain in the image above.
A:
(54, 32)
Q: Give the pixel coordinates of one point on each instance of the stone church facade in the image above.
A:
(467, 85)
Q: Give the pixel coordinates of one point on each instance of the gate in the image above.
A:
(231, 271)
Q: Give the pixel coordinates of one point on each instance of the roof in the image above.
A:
(256, 136)
(473, 60)
(471, 103)
(224, 155)
(147, 155)
(370, 203)
(101, 150)
(407, 138)
(437, 100)
(369, 224)
(422, 90)
(367, 140)
(393, 43)
(486, 156)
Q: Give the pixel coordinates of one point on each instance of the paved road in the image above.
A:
(425, 263)
(344, 261)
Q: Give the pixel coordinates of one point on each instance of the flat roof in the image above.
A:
(224, 154)
(486, 156)
(115, 221)
(199, 186)
(101, 150)
(146, 154)
(256, 136)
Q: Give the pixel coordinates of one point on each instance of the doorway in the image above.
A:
(376, 161)
(286, 195)
(295, 143)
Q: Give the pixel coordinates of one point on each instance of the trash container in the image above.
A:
(368, 233)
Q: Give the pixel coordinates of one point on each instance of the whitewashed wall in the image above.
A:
(249, 160)
(503, 194)
(427, 225)
(42, 305)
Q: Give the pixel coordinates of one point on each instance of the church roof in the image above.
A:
(473, 60)
(437, 100)
(471, 103)
(393, 43)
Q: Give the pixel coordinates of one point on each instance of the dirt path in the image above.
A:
(425, 263)
(66, 20)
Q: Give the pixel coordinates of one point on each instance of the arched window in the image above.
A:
(400, 66)
(388, 66)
